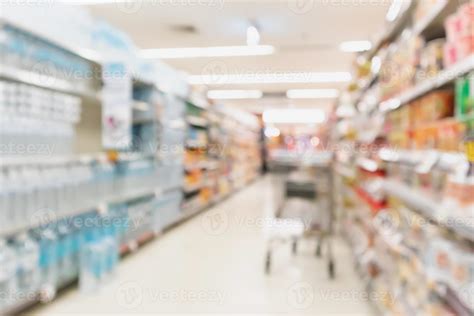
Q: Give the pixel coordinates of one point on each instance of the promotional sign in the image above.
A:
(116, 107)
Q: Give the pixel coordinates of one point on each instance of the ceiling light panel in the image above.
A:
(294, 116)
(312, 94)
(355, 46)
(234, 94)
(270, 78)
(203, 52)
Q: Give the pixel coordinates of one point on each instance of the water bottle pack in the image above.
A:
(168, 209)
(31, 195)
(41, 121)
(49, 257)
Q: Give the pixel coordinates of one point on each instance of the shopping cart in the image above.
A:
(305, 211)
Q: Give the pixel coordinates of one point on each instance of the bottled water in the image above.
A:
(66, 266)
(111, 246)
(27, 252)
(48, 257)
(3, 202)
(7, 274)
(91, 262)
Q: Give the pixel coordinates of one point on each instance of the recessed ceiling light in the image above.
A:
(289, 116)
(269, 78)
(312, 93)
(234, 94)
(272, 132)
(253, 36)
(355, 46)
(213, 51)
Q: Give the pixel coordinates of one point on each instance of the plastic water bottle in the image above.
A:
(3, 202)
(111, 247)
(91, 261)
(27, 252)
(66, 266)
(7, 274)
(48, 258)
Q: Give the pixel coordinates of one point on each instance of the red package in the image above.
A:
(453, 26)
(464, 47)
(450, 55)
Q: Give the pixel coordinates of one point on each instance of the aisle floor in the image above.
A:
(213, 264)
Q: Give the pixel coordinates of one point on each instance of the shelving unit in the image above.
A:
(445, 77)
(396, 243)
(216, 164)
(159, 189)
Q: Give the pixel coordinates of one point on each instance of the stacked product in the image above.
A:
(66, 217)
(221, 156)
(407, 201)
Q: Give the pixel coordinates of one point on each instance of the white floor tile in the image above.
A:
(213, 264)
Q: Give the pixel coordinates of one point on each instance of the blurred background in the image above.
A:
(236, 157)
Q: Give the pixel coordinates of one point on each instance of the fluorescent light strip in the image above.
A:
(214, 51)
(312, 94)
(355, 46)
(234, 94)
(258, 78)
(295, 116)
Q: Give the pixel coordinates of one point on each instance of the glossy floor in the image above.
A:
(213, 264)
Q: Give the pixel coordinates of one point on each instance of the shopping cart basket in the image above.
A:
(306, 202)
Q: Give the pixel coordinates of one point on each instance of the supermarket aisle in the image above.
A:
(214, 264)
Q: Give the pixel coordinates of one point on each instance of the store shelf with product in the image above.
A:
(418, 244)
(110, 177)
(218, 160)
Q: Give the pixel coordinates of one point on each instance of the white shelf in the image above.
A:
(431, 18)
(86, 54)
(45, 81)
(93, 207)
(443, 78)
(429, 208)
(394, 29)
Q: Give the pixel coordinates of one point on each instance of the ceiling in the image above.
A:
(305, 33)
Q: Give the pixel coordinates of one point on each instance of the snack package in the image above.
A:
(464, 93)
